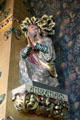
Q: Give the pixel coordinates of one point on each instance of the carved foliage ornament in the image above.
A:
(30, 102)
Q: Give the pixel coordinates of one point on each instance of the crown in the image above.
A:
(45, 23)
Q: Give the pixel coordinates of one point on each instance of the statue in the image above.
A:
(37, 64)
(37, 58)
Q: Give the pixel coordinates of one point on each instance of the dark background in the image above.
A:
(67, 45)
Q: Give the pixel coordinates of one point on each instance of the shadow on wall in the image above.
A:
(2, 4)
(59, 59)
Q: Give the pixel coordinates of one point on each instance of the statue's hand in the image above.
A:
(32, 41)
(26, 51)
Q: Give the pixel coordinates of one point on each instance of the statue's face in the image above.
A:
(34, 30)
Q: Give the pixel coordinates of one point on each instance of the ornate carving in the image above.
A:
(37, 64)
(30, 102)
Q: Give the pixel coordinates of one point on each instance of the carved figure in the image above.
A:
(37, 58)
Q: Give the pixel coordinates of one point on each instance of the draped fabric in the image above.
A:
(32, 70)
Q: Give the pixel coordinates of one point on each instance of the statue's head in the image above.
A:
(34, 25)
(33, 30)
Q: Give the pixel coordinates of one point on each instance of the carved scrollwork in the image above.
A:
(29, 102)
(20, 102)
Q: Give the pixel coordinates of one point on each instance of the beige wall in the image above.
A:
(5, 46)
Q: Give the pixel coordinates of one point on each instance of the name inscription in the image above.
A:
(47, 93)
